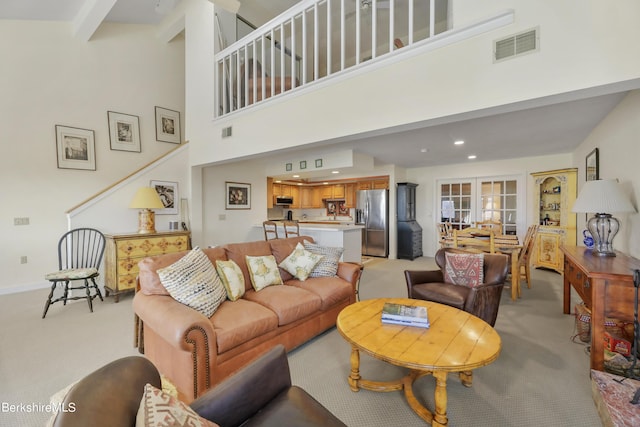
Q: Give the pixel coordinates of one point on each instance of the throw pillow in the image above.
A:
(464, 269)
(328, 265)
(232, 278)
(192, 280)
(160, 409)
(300, 262)
(263, 271)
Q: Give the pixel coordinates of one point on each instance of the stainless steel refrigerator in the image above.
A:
(372, 211)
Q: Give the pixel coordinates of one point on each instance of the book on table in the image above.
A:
(400, 314)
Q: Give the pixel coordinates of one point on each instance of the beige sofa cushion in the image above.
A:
(237, 322)
(238, 251)
(331, 290)
(289, 303)
(282, 248)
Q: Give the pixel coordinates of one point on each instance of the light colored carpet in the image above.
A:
(540, 378)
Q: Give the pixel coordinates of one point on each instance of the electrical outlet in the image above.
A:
(23, 259)
(21, 221)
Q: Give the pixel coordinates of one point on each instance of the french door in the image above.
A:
(464, 202)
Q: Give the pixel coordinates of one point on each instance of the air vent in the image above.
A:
(516, 45)
(226, 132)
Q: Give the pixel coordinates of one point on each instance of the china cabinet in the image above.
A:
(554, 195)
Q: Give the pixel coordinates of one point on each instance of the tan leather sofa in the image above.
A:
(195, 352)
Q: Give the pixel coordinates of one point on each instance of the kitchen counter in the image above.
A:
(346, 236)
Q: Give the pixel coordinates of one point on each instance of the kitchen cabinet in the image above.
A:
(350, 195)
(332, 191)
(554, 194)
(338, 191)
(124, 251)
(295, 194)
(310, 198)
(373, 184)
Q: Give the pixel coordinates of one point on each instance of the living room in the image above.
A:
(56, 79)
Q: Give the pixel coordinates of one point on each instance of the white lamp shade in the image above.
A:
(146, 198)
(602, 196)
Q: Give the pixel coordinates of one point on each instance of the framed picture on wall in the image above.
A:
(75, 148)
(124, 132)
(167, 125)
(593, 165)
(238, 195)
(168, 192)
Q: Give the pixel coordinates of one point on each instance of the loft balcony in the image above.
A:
(319, 39)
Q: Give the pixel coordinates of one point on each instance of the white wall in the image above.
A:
(579, 50)
(616, 138)
(50, 78)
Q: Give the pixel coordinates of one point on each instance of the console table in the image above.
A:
(605, 284)
(124, 251)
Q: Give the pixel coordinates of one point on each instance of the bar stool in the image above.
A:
(291, 229)
(270, 230)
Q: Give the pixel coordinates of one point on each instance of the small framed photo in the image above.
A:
(124, 132)
(318, 163)
(238, 195)
(168, 192)
(167, 125)
(288, 167)
(592, 165)
(303, 164)
(75, 148)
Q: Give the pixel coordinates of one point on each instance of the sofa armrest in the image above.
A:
(416, 277)
(350, 272)
(110, 396)
(172, 320)
(242, 395)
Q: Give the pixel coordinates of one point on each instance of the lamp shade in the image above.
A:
(602, 196)
(146, 198)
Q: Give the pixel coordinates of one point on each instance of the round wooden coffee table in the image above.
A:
(455, 342)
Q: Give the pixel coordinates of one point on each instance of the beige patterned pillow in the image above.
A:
(232, 278)
(300, 262)
(263, 271)
(192, 280)
(160, 409)
(328, 266)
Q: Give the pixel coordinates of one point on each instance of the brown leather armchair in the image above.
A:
(482, 301)
(259, 394)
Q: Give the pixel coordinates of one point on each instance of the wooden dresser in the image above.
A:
(124, 251)
(605, 284)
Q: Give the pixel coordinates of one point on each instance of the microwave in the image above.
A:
(283, 201)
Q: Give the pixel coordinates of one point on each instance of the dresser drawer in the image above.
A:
(580, 282)
(144, 247)
(126, 282)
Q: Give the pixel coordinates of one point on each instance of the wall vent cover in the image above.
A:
(515, 45)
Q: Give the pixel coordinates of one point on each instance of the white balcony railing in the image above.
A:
(316, 39)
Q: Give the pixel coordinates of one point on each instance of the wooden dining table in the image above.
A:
(503, 243)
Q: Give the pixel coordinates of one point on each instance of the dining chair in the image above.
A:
(291, 229)
(524, 263)
(270, 230)
(475, 238)
(445, 230)
(79, 255)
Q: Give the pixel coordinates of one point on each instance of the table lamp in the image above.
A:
(602, 196)
(146, 199)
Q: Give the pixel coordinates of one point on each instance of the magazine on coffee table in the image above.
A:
(400, 314)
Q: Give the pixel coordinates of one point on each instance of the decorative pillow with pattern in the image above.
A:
(160, 409)
(193, 281)
(464, 269)
(263, 271)
(300, 262)
(232, 278)
(328, 265)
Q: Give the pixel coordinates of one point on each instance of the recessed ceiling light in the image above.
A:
(423, 150)
(277, 181)
(471, 157)
(459, 142)
(325, 183)
(296, 176)
(335, 171)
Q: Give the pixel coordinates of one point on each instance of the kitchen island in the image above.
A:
(345, 236)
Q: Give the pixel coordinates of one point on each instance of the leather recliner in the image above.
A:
(259, 394)
(482, 301)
